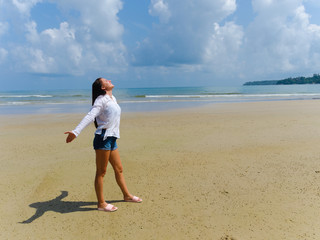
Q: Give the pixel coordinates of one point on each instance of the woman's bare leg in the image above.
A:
(118, 171)
(102, 158)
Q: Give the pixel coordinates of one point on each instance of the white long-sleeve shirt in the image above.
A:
(107, 112)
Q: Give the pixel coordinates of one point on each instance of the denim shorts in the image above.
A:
(109, 144)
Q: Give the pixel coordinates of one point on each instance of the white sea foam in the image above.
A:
(26, 96)
(71, 100)
(14, 103)
(236, 95)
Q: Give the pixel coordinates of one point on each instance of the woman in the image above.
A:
(105, 112)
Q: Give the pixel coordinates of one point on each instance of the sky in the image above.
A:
(67, 44)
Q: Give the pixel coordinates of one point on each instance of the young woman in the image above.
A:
(105, 112)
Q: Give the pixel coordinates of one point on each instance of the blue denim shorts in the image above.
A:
(109, 144)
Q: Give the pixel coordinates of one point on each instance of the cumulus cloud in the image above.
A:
(222, 51)
(184, 33)
(186, 37)
(3, 55)
(281, 39)
(160, 8)
(97, 18)
(60, 36)
(89, 39)
(51, 51)
(3, 28)
(24, 6)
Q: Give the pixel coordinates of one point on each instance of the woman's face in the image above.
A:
(106, 84)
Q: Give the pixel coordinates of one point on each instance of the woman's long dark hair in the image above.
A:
(96, 92)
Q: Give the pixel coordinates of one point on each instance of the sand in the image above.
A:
(223, 171)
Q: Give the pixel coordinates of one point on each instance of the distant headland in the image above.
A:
(315, 79)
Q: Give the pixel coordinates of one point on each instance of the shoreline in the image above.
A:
(237, 170)
(131, 107)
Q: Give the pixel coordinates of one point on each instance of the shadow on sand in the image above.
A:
(59, 206)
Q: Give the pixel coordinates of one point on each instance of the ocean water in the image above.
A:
(150, 99)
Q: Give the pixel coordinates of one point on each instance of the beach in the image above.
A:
(221, 171)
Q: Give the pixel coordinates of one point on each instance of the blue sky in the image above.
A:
(65, 44)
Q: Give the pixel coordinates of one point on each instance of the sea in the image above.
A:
(149, 99)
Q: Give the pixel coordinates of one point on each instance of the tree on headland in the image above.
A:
(315, 79)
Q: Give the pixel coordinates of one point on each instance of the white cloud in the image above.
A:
(3, 55)
(56, 50)
(229, 6)
(97, 18)
(75, 54)
(32, 34)
(24, 6)
(50, 51)
(281, 39)
(160, 8)
(39, 62)
(60, 36)
(4, 26)
(183, 33)
(223, 48)
(191, 36)
(32, 60)
(89, 40)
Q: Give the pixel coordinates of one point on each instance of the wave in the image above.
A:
(14, 103)
(30, 102)
(44, 96)
(160, 95)
(234, 95)
(26, 96)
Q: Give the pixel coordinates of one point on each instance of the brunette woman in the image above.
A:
(105, 113)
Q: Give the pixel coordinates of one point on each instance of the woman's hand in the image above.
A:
(70, 137)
